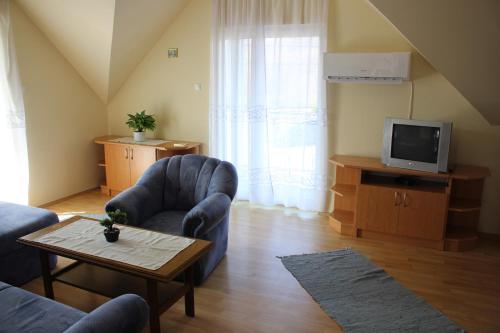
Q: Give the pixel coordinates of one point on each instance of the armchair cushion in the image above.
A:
(169, 222)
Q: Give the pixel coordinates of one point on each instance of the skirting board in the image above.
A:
(50, 203)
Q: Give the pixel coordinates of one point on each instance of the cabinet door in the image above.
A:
(117, 166)
(422, 215)
(377, 208)
(140, 159)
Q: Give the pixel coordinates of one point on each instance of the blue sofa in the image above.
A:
(22, 311)
(187, 195)
(19, 263)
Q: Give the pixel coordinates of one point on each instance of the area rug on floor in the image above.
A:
(362, 297)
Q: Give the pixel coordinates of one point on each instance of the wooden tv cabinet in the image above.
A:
(434, 210)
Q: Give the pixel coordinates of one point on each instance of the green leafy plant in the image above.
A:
(114, 217)
(141, 121)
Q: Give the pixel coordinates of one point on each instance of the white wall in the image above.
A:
(63, 116)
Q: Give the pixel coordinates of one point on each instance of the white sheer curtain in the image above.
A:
(13, 150)
(267, 107)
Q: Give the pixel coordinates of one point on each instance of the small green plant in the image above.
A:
(141, 121)
(114, 217)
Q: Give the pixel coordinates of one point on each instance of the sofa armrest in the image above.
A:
(206, 215)
(127, 313)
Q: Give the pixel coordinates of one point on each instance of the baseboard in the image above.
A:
(50, 203)
(484, 235)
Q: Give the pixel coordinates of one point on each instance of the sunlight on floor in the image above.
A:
(286, 210)
(66, 215)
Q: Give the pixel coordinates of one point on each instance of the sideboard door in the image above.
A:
(423, 214)
(140, 159)
(377, 208)
(117, 159)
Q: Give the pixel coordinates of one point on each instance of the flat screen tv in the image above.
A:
(417, 145)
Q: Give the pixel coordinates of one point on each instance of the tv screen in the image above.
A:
(415, 143)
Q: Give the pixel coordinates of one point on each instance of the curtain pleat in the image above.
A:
(268, 101)
(13, 147)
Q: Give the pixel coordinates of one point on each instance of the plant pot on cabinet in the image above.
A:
(112, 235)
(139, 136)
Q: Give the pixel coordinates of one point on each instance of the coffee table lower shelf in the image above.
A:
(111, 283)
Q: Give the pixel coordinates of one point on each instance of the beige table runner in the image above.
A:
(138, 247)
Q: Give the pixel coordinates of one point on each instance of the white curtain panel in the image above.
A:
(268, 101)
(13, 150)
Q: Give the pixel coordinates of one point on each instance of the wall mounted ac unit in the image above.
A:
(367, 67)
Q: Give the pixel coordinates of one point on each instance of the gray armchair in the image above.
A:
(187, 195)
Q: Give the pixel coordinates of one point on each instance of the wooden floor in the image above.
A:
(251, 291)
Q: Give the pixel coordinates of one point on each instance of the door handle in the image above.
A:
(131, 153)
(405, 203)
(126, 153)
(397, 198)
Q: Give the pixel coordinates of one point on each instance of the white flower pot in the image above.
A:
(139, 136)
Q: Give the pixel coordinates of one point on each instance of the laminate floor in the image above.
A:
(251, 291)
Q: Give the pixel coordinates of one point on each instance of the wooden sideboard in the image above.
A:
(124, 163)
(435, 210)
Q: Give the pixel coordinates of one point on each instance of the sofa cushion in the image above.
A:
(3, 285)
(22, 311)
(18, 220)
(169, 222)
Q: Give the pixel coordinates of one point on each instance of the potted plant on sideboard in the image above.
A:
(110, 232)
(141, 122)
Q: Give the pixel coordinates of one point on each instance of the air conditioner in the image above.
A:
(367, 67)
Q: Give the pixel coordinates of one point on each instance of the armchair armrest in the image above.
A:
(206, 215)
(144, 199)
(139, 202)
(124, 314)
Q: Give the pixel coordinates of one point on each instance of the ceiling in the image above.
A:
(104, 40)
(461, 39)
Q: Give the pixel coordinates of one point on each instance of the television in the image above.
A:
(417, 145)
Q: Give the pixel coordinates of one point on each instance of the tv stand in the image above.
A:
(435, 210)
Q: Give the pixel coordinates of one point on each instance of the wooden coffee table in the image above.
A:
(111, 278)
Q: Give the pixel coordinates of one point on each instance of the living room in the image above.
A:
(84, 66)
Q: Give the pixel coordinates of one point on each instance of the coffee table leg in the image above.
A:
(189, 297)
(154, 315)
(47, 277)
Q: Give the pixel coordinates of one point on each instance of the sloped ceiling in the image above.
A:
(103, 39)
(461, 39)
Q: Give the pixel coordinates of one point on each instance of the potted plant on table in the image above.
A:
(110, 232)
(141, 122)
